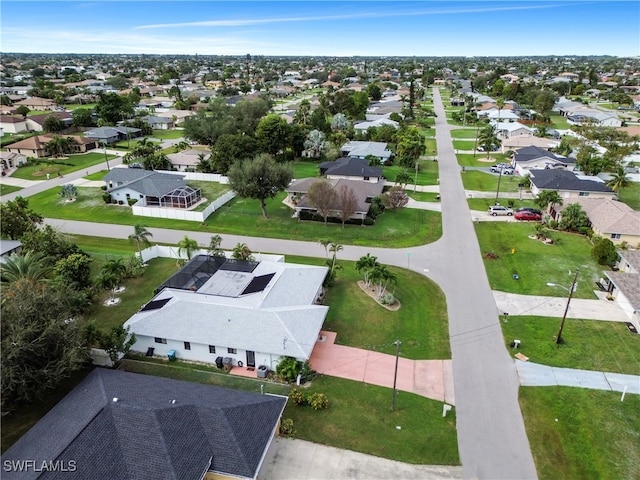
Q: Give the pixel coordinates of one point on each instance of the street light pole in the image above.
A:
(395, 375)
(498, 189)
(566, 310)
(106, 159)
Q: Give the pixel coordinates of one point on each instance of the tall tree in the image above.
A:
(574, 218)
(260, 179)
(242, 252)
(546, 198)
(347, 203)
(215, 249)
(315, 143)
(187, 246)
(52, 124)
(365, 265)
(322, 197)
(112, 108)
(16, 218)
(488, 139)
(618, 180)
(273, 133)
(74, 270)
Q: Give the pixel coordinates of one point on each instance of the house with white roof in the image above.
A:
(505, 130)
(363, 149)
(536, 158)
(248, 312)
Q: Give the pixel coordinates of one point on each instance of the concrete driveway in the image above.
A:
(289, 459)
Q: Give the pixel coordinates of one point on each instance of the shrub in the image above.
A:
(297, 397)
(103, 188)
(369, 221)
(511, 202)
(604, 252)
(286, 427)
(107, 198)
(132, 201)
(120, 202)
(318, 401)
(288, 369)
(387, 299)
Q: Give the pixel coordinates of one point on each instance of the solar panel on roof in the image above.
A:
(258, 284)
(234, 265)
(155, 305)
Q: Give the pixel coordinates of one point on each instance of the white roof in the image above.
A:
(282, 319)
(510, 126)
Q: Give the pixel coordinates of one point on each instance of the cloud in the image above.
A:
(242, 22)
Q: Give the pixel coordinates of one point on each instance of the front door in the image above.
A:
(251, 358)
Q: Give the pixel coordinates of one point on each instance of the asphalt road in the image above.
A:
(491, 437)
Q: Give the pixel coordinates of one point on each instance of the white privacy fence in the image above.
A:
(172, 252)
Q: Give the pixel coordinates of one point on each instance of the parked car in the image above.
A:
(527, 215)
(529, 209)
(500, 210)
(505, 169)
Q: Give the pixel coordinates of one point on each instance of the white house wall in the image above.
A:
(200, 352)
(121, 194)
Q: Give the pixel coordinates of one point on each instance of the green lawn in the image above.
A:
(430, 144)
(535, 262)
(167, 134)
(96, 176)
(582, 433)
(631, 195)
(409, 227)
(421, 196)
(559, 122)
(359, 419)
(6, 189)
(305, 168)
(480, 159)
(466, 145)
(420, 323)
(64, 166)
(427, 172)
(75, 106)
(210, 190)
(488, 182)
(464, 133)
(588, 344)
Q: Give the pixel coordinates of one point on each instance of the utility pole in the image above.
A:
(395, 375)
(106, 158)
(566, 310)
(498, 189)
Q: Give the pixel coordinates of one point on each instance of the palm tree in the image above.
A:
(214, 249)
(488, 139)
(181, 145)
(382, 276)
(366, 264)
(242, 252)
(115, 269)
(618, 180)
(325, 243)
(547, 198)
(140, 236)
(500, 105)
(187, 246)
(28, 266)
(57, 146)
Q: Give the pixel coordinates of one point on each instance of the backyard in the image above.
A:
(409, 227)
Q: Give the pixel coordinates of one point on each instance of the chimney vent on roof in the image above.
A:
(173, 402)
(115, 399)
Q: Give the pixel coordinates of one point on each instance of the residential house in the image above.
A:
(351, 168)
(35, 123)
(117, 425)
(7, 110)
(10, 160)
(35, 146)
(612, 219)
(499, 115)
(188, 160)
(569, 185)
(535, 158)
(363, 150)
(589, 116)
(177, 116)
(506, 130)
(36, 103)
(517, 143)
(13, 124)
(150, 188)
(111, 135)
(382, 120)
(624, 284)
(252, 312)
(364, 192)
(9, 247)
(159, 123)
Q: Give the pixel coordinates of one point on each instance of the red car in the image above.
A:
(527, 215)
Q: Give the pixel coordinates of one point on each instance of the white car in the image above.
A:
(496, 210)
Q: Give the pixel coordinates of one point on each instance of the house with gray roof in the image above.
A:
(535, 158)
(159, 123)
(569, 185)
(252, 312)
(624, 284)
(9, 247)
(150, 188)
(351, 168)
(364, 149)
(110, 135)
(122, 425)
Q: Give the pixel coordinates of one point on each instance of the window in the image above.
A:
(160, 340)
(212, 349)
(187, 345)
(366, 179)
(232, 350)
(583, 194)
(616, 235)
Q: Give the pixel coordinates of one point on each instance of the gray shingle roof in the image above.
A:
(529, 154)
(350, 167)
(144, 436)
(552, 179)
(147, 182)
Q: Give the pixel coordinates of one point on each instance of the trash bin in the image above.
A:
(171, 354)
(150, 351)
(227, 362)
(219, 362)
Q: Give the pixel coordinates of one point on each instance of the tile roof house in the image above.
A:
(37, 103)
(36, 122)
(188, 159)
(35, 146)
(251, 312)
(13, 124)
(624, 284)
(150, 188)
(517, 143)
(10, 160)
(363, 149)
(121, 425)
(569, 185)
(534, 158)
(612, 219)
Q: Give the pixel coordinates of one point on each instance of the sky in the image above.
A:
(326, 28)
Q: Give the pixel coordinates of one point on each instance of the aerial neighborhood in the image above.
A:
(231, 266)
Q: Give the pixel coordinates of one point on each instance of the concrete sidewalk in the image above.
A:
(289, 459)
(428, 378)
(20, 182)
(536, 375)
(541, 306)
